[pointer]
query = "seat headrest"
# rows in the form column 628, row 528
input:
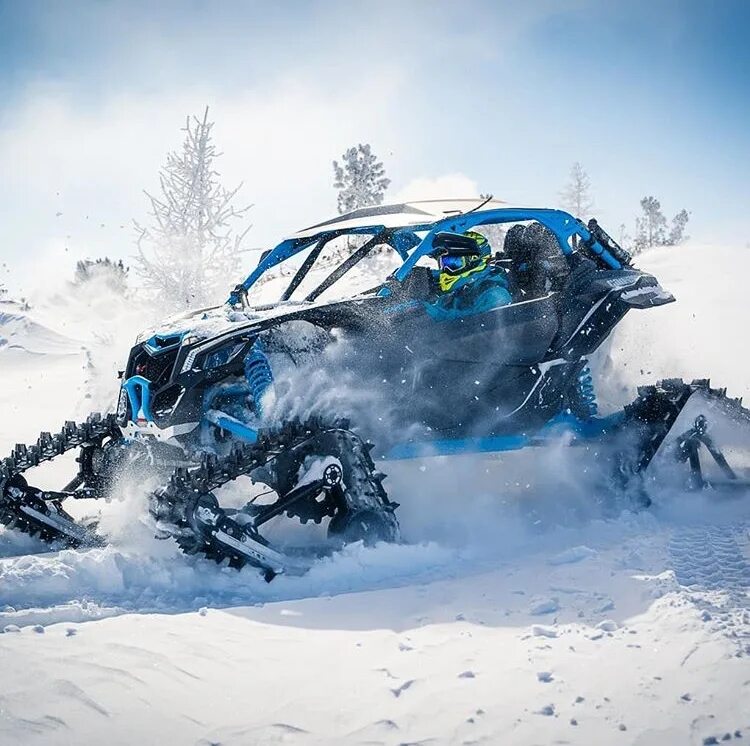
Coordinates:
column 530, row 240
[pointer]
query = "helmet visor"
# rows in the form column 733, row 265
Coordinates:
column 452, row 262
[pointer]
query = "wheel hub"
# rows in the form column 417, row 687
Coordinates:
column 332, row 475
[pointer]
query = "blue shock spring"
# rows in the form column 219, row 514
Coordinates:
column 258, row 375
column 586, row 393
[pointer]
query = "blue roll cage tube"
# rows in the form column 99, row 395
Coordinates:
column 411, row 248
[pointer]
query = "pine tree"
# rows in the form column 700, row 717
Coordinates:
column 189, row 255
column 360, row 179
column 677, row 231
column 624, row 239
column 651, row 226
column 575, row 196
column 114, row 275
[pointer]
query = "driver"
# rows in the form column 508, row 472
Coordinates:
column 467, row 282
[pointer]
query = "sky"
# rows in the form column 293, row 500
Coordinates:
column 456, row 98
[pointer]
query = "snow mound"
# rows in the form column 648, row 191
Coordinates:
column 569, row 556
column 115, row 580
column 700, row 336
column 18, row 332
column 14, row 543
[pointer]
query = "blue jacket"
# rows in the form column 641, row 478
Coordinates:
column 476, row 293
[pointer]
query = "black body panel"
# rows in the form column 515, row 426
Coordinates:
column 508, row 370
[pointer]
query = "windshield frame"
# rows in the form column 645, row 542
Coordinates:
column 401, row 240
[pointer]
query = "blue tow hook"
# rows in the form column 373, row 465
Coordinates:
column 139, row 394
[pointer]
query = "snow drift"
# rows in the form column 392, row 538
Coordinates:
column 18, row 333
column 492, row 625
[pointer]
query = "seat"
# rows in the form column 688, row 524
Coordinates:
column 537, row 264
column 419, row 284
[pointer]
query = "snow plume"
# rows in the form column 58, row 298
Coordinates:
column 16, row 544
column 497, row 504
column 325, row 385
column 116, row 580
column 476, row 503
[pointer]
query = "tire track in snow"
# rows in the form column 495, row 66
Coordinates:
column 712, row 564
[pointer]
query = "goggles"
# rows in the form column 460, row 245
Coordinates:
column 455, row 263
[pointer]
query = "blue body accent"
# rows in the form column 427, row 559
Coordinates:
column 287, row 249
column 237, row 428
column 139, row 394
column 405, row 306
column 457, row 446
column 583, row 430
column 236, row 390
column 163, row 342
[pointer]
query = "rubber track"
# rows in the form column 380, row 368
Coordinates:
column 48, row 447
column 171, row 505
column 658, row 406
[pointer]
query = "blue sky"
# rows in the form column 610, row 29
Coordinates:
column 652, row 97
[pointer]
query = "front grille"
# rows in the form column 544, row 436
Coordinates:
column 157, row 369
column 164, row 402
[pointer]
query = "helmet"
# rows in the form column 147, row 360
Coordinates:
column 459, row 255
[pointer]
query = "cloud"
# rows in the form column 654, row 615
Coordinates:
column 447, row 186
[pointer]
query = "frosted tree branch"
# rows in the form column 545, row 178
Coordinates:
column 188, row 255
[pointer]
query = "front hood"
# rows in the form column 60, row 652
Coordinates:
column 209, row 323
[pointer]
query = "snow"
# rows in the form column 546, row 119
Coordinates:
column 19, row 334
column 496, row 625
column 574, row 554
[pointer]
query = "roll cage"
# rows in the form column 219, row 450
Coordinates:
column 411, row 247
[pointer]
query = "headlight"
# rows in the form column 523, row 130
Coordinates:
column 221, row 356
column 122, row 407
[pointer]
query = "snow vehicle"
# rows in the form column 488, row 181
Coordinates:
column 199, row 397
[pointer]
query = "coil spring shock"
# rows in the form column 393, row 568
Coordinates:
column 258, row 375
column 586, row 395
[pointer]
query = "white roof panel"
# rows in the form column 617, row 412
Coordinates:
column 401, row 215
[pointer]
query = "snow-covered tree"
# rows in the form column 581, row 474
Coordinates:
column 624, row 238
column 360, row 179
column 112, row 274
column 677, row 231
column 651, row 226
column 188, row 256
column 575, row 196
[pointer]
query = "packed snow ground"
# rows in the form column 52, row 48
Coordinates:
column 490, row 625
